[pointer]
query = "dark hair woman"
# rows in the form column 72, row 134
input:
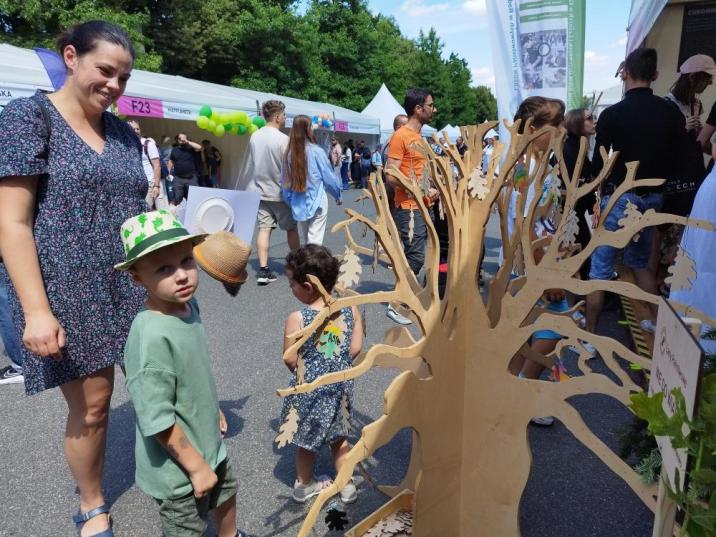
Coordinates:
column 306, row 177
column 580, row 123
column 70, row 174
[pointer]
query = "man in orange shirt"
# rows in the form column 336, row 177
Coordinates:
column 420, row 107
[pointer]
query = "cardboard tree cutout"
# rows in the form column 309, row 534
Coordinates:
column 471, row 459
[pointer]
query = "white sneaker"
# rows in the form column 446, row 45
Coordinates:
column 580, row 319
column 647, row 325
column 396, row 317
column 349, row 493
column 591, row 350
column 10, row 375
column 544, row 421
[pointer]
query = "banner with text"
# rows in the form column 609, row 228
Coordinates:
column 537, row 49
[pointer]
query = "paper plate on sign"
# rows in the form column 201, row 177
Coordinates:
column 214, row 214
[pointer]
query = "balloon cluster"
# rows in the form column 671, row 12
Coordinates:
column 322, row 121
column 229, row 123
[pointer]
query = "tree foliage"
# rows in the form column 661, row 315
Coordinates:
column 325, row 50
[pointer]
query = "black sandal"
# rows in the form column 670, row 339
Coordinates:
column 81, row 519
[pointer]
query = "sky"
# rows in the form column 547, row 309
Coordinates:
column 462, row 26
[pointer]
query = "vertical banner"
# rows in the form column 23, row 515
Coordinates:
column 537, row 49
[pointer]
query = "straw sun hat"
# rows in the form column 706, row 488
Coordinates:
column 224, row 257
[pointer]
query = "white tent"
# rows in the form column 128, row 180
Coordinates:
column 452, row 132
column 158, row 100
column 384, row 107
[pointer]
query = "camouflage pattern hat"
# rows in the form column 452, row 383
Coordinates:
column 148, row 232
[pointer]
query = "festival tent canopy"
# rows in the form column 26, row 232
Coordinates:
column 451, row 131
column 156, row 95
column 385, row 107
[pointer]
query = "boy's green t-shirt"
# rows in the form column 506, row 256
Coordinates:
column 170, row 381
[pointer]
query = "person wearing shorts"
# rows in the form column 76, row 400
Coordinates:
column 263, row 170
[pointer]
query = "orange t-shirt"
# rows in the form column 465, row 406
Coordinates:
column 412, row 163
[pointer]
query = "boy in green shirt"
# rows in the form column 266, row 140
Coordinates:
column 180, row 457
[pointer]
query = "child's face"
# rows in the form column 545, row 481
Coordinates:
column 169, row 275
column 302, row 291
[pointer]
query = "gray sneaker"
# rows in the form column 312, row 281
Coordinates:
column 396, row 317
column 544, row 421
column 301, row 493
column 10, row 375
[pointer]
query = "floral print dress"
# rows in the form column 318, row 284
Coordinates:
column 82, row 199
column 323, row 414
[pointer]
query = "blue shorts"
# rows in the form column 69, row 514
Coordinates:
column 636, row 253
column 557, row 307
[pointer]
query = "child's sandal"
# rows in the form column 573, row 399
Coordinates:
column 81, row 519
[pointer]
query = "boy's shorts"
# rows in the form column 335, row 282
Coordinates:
column 556, row 307
column 275, row 213
column 189, row 516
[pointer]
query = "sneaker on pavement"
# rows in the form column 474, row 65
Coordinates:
column 265, row 276
column 544, row 421
column 301, row 493
column 591, row 350
column 349, row 493
column 10, row 375
column 396, row 317
column 647, row 325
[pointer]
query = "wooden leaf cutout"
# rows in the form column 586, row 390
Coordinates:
column 631, row 217
column 351, row 269
column 332, row 338
column 682, row 271
column 570, row 230
column 411, row 227
column 288, row 428
column 300, row 371
column 477, row 184
column 346, row 414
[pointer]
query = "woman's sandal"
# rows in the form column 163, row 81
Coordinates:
column 81, row 519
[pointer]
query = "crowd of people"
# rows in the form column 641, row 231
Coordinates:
column 99, row 273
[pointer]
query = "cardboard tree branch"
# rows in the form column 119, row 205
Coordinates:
column 470, row 459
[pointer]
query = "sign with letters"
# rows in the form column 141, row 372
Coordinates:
column 676, row 363
column 139, row 106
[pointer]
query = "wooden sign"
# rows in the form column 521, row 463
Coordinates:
column 676, row 363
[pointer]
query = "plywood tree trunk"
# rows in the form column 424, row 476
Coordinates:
column 471, row 458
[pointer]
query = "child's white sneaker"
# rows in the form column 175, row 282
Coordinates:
column 301, row 493
column 349, row 493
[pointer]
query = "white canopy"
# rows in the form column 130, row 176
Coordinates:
column 452, row 132
column 171, row 97
column 385, row 107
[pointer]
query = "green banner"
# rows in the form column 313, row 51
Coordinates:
column 575, row 54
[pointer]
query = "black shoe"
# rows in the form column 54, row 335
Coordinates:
column 265, row 276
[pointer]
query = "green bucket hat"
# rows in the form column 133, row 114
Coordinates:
column 150, row 231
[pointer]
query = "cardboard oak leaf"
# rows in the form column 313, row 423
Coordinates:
column 350, row 271
column 346, row 414
column 631, row 217
column 682, row 271
column 300, row 370
column 288, row 428
column 478, row 184
column 570, row 230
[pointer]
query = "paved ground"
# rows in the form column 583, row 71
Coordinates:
column 570, row 491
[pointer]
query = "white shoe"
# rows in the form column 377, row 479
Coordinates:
column 591, row 350
column 544, row 421
column 349, row 493
column 647, row 325
column 10, row 375
column 396, row 317
column 580, row 319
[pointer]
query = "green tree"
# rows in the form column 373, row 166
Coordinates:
column 486, row 105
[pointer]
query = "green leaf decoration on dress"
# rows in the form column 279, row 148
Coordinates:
column 332, row 337
column 157, row 223
column 142, row 219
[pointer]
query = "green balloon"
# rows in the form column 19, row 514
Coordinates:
column 202, row 122
column 210, row 125
column 241, row 129
column 258, row 121
column 205, row 111
column 242, row 118
column 252, row 128
column 228, row 127
column 219, row 130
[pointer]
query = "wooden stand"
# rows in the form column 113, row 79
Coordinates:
column 469, row 414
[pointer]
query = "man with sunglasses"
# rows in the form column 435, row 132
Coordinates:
column 406, row 157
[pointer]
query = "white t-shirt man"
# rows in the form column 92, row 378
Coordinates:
column 149, row 153
column 262, row 167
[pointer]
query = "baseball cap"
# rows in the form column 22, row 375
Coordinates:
column 698, row 63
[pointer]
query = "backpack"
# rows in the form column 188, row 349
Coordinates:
column 164, row 171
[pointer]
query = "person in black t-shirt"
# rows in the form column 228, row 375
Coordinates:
column 182, row 165
column 644, row 128
column 707, row 132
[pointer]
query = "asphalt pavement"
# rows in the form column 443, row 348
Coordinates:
column 570, row 492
